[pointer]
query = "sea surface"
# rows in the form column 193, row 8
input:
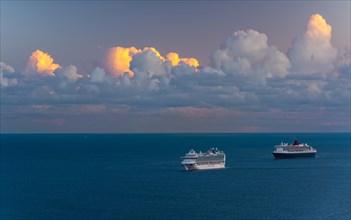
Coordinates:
column 139, row 176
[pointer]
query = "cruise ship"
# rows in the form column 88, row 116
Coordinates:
column 212, row 159
column 295, row 150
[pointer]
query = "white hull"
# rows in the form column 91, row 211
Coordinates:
column 190, row 167
column 212, row 159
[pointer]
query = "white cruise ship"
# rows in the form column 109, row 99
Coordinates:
column 295, row 150
column 212, row 159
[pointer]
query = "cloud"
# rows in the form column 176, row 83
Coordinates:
column 7, row 68
column 118, row 60
column 343, row 64
column 42, row 63
column 313, row 51
column 246, row 78
column 6, row 81
column 175, row 60
column 148, row 61
column 98, row 75
column 247, row 53
column 189, row 111
column 317, row 28
column 94, row 109
column 69, row 73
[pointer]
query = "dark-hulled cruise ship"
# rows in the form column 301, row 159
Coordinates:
column 295, row 150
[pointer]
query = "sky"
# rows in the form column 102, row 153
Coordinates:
column 175, row 66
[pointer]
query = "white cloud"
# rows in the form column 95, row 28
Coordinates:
column 247, row 53
column 245, row 75
column 69, row 73
column 5, row 67
column 313, row 51
column 98, row 75
column 4, row 80
column 275, row 64
column 148, row 62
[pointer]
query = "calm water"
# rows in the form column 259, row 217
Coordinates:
column 138, row 176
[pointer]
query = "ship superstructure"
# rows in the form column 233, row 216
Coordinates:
column 295, row 150
column 212, row 159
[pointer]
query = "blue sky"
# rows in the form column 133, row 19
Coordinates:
column 197, row 66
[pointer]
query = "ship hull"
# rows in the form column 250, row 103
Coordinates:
column 294, row 155
column 193, row 167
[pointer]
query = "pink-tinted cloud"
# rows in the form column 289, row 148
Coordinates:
column 118, row 59
column 42, row 63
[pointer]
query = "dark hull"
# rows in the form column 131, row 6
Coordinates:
column 292, row 155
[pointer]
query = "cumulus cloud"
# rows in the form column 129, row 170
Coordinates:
column 245, row 75
column 175, row 60
column 148, row 62
column 183, row 69
column 248, row 53
column 313, row 51
column 118, row 60
column 98, row 75
column 5, row 67
column 6, row 81
column 42, row 63
column 69, row 73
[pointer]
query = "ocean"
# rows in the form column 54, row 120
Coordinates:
column 139, row 176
